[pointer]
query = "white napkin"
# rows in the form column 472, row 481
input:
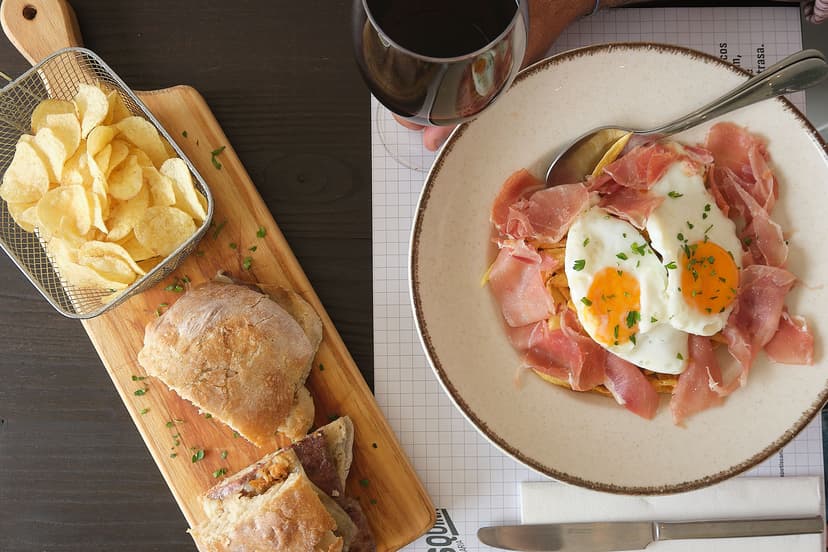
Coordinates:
column 742, row 497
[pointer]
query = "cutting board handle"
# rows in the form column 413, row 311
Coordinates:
column 38, row 28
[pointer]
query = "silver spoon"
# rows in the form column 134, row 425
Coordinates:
column 794, row 73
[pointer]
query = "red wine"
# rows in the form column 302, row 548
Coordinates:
column 442, row 28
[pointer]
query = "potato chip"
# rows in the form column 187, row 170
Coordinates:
column 109, row 249
column 27, row 178
column 102, row 159
column 65, row 212
column 96, row 208
column 92, row 107
column 125, row 214
column 127, row 180
column 143, row 135
column 135, row 250
column 54, row 150
column 67, row 129
column 50, row 107
column 117, row 108
column 99, row 138
column 185, row 192
column 163, row 229
column 120, row 151
column 161, row 187
column 149, row 264
column 143, row 158
column 76, row 169
column 24, row 214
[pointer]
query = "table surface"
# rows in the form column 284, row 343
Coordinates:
column 281, row 80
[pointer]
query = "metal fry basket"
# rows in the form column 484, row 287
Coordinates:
column 58, row 77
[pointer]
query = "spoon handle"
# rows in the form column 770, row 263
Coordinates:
column 794, row 73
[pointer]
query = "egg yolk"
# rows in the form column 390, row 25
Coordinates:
column 613, row 306
column 709, row 277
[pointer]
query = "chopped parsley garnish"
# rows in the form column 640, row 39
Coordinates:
column 706, row 207
column 653, row 320
column 235, row 435
column 374, row 445
column 139, row 378
column 252, row 248
column 223, row 454
column 675, row 194
column 144, row 411
column 321, row 367
column 199, row 253
column 219, row 472
column 615, row 331
column 198, row 455
column 261, row 232
column 748, row 241
column 680, row 236
column 586, row 301
column 586, row 242
column 247, row 263
column 706, row 230
column 632, row 318
column 141, row 392
column 640, row 249
column 632, row 339
column 689, row 224
column 711, row 259
column 175, row 287
column 184, row 133
column 219, row 228
column 213, row 155
column 364, row 482
column 671, row 265
column 622, row 256
column 170, row 423
column 233, row 245
column 173, row 454
column 207, row 415
column 579, row 264
column 373, row 501
column 679, row 356
column 704, row 216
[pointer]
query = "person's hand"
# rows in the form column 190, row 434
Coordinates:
column 433, row 136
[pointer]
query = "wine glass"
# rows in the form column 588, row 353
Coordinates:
column 435, row 62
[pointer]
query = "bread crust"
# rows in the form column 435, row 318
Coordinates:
column 238, row 355
column 289, row 516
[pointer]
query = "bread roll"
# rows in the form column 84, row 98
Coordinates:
column 239, row 356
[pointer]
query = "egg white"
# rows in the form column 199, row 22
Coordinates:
column 597, row 239
column 683, row 212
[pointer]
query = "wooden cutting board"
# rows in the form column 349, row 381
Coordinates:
column 395, row 503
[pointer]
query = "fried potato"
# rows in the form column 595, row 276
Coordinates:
column 24, row 214
column 50, row 107
column 27, row 178
column 161, row 187
column 126, row 214
column 183, row 187
column 163, row 229
column 127, row 180
column 143, row 135
column 99, row 138
column 117, row 108
column 65, row 212
column 92, row 107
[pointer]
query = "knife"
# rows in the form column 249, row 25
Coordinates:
column 635, row 535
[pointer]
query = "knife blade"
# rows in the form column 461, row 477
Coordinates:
column 635, row 535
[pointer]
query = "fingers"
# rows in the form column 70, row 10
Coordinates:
column 433, row 137
column 406, row 124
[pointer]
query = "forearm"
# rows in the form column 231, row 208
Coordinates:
column 548, row 19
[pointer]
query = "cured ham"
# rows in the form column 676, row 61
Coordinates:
column 517, row 186
column 755, row 318
column 642, row 167
column 694, row 391
column 630, row 388
column 631, row 205
column 793, row 342
column 547, row 214
column 516, row 282
column 745, row 155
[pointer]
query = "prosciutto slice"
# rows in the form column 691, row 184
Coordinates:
column 547, row 215
column 643, row 166
column 567, row 354
column 516, row 282
column 694, row 391
column 632, row 205
column 793, row 342
column 755, row 319
column 516, row 187
column 630, row 387
column 745, row 154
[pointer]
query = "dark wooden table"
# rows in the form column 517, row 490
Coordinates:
column 279, row 76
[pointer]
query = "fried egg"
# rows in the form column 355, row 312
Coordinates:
column 699, row 249
column 618, row 286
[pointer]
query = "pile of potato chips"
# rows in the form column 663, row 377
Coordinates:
column 105, row 191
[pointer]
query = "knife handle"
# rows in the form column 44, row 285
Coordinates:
column 669, row 530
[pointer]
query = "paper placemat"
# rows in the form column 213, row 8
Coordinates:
column 471, row 482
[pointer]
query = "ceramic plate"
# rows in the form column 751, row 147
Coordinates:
column 584, row 438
